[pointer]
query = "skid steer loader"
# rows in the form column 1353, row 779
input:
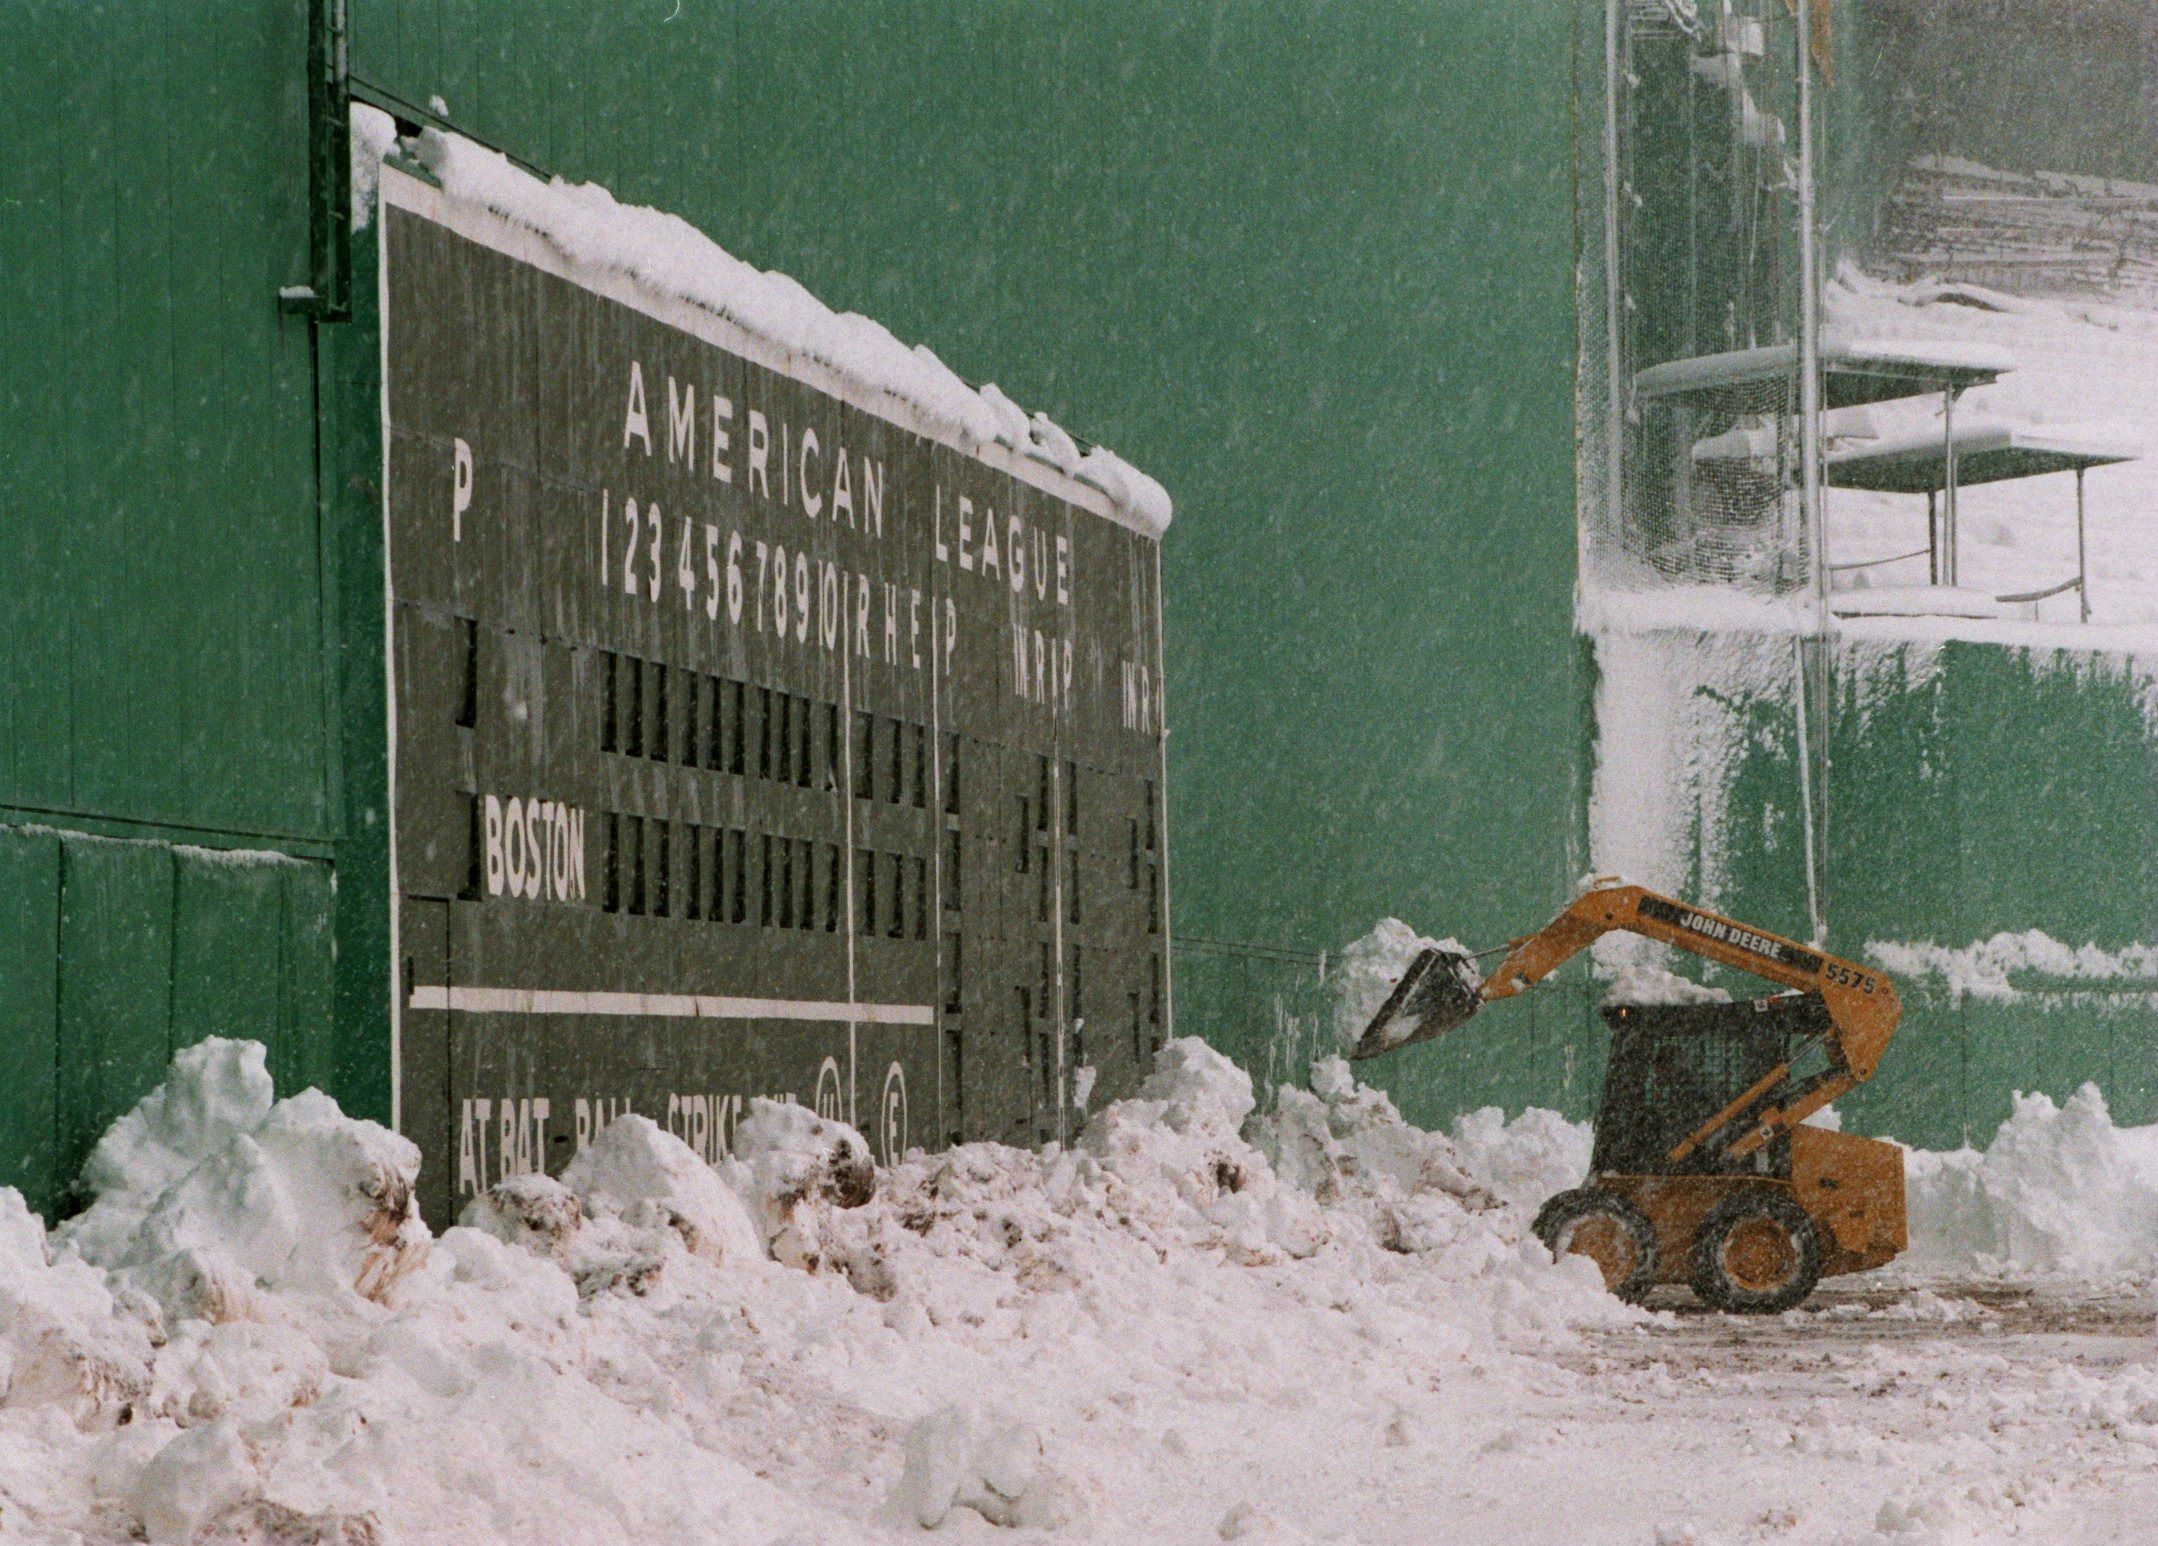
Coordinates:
column 1702, row 1171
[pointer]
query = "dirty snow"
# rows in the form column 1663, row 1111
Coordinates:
column 251, row 1325
column 1199, row 1322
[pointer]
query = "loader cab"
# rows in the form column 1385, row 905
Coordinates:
column 1673, row 1066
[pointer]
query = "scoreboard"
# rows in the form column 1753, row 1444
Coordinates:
column 752, row 733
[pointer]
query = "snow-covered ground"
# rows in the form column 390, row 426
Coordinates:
column 1201, row 1322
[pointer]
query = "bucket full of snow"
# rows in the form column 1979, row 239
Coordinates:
column 1437, row 994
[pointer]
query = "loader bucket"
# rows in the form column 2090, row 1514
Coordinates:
column 1435, row 995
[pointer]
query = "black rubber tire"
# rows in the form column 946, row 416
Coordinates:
column 1561, row 1213
column 1714, row 1284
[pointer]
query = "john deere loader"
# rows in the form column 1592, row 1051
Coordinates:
column 1703, row 1170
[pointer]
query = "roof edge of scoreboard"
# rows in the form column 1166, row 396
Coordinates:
column 665, row 267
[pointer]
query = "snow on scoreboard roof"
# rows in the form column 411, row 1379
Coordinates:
column 1855, row 371
column 665, row 254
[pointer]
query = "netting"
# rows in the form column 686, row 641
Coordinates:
column 1694, row 483
column 1711, row 491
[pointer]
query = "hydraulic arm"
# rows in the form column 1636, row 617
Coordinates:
column 1859, row 1007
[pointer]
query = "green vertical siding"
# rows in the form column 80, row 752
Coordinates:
column 166, row 689
column 116, row 932
column 29, row 1013
column 161, row 652
column 116, row 953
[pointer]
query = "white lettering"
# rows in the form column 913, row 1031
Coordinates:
column 513, row 845
column 535, row 853
column 873, row 494
column 842, row 487
column 722, row 409
column 636, row 425
column 492, row 821
column 533, row 848
column 682, row 424
column 460, row 489
column 812, row 507
column 760, row 454
column 472, row 1145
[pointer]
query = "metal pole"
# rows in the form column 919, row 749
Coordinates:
column 1933, row 546
column 1809, row 329
column 1614, row 288
column 2083, row 574
column 1948, row 498
column 1812, row 786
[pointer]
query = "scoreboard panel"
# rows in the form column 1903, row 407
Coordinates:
column 750, row 735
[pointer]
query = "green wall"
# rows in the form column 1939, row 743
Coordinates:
column 169, row 778
column 1310, row 264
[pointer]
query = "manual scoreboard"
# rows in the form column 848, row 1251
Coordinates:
column 749, row 734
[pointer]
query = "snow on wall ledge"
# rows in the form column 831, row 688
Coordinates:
column 1982, row 970
column 667, row 255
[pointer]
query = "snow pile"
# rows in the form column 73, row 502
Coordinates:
column 66, row 1343
column 1368, row 969
column 632, row 1201
column 980, row 1458
column 208, row 1194
column 251, row 1337
column 1527, row 1161
column 2060, row 1192
column 667, row 255
column 1982, row 970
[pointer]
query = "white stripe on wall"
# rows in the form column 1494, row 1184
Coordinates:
column 677, row 1006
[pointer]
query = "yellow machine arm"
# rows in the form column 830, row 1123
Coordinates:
column 1862, row 1005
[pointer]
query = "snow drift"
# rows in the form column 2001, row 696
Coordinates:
column 2059, row 1192
column 251, row 1335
